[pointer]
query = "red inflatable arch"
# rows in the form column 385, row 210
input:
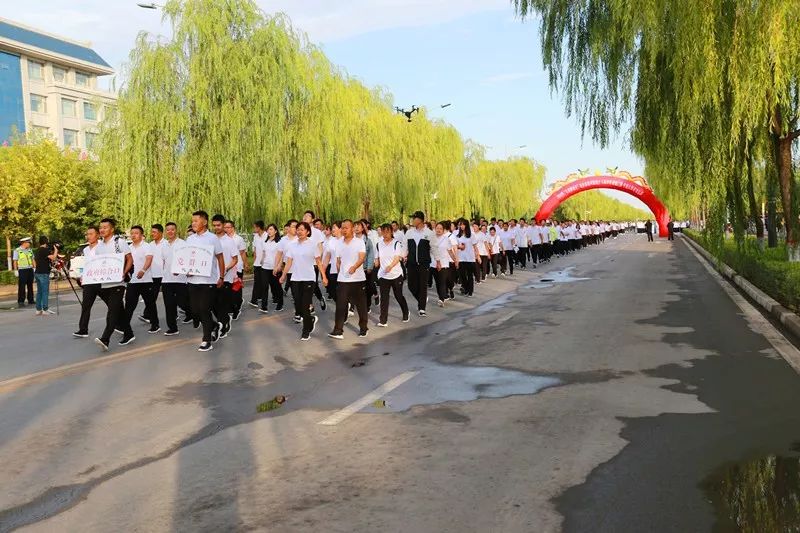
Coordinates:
column 636, row 187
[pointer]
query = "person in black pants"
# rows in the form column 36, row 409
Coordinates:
column 390, row 274
column 23, row 266
column 141, row 283
column 90, row 292
column 648, row 228
column 467, row 255
column 351, row 252
column 418, row 245
column 113, row 293
column 269, row 278
column 259, row 230
column 301, row 257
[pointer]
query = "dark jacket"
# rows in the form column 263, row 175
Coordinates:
column 418, row 255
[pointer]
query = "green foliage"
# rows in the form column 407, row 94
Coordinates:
column 46, row 190
column 594, row 205
column 708, row 88
column 7, row 277
column 768, row 269
column 238, row 113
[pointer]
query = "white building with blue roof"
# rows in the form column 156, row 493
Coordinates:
column 48, row 85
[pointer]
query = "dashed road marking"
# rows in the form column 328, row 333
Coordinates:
column 369, row 398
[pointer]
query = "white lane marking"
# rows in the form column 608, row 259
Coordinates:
column 369, row 398
column 786, row 349
column 504, row 318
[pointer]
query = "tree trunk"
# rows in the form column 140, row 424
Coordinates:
column 8, row 252
column 739, row 214
column 365, row 209
column 751, row 196
column 783, row 162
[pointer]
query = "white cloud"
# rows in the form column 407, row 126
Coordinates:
column 507, row 77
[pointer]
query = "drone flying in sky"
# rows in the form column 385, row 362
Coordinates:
column 414, row 109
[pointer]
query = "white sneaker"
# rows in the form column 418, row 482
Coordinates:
column 381, row 324
column 49, row 312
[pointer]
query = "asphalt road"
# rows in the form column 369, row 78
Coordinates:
column 599, row 401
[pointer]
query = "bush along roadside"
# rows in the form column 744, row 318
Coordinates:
column 766, row 269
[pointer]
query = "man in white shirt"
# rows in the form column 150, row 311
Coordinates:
column 90, row 292
column 174, row 285
column 157, row 246
column 317, row 237
column 202, row 289
column 241, row 264
column 259, row 236
column 507, row 242
column 141, row 283
column 351, row 252
column 224, row 297
column 113, row 294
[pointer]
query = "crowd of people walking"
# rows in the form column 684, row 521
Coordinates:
column 348, row 262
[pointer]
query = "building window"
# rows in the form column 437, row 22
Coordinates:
column 38, row 104
column 70, row 138
column 59, row 74
column 35, row 70
column 68, row 107
column 91, row 139
column 81, row 79
column 41, row 132
column 89, row 111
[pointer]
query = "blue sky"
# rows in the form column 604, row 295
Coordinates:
column 474, row 54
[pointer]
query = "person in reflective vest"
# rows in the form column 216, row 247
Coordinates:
column 23, row 269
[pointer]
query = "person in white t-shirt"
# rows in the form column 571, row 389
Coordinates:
column 241, row 264
column 157, row 267
column 203, row 289
column 329, row 258
column 390, row 274
column 301, row 258
column 113, row 294
column 268, row 260
column 259, row 235
column 318, row 237
column 288, row 238
column 90, row 292
column 173, row 286
column 483, row 254
column 351, row 253
column 495, row 249
column 141, row 283
column 507, row 240
column 224, row 297
column 441, row 259
column 467, row 257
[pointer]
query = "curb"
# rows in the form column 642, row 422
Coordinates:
column 783, row 315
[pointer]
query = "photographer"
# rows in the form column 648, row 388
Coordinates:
column 41, row 268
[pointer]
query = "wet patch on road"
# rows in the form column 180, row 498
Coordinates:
column 551, row 278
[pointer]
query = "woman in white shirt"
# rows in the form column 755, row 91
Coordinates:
column 440, row 263
column 390, row 274
column 494, row 246
column 267, row 261
column 467, row 257
column 301, row 258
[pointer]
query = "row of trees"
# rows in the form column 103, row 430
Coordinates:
column 711, row 90
column 46, row 190
column 238, row 113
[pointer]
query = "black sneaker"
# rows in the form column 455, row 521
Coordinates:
column 363, row 333
column 204, row 347
column 171, row 332
column 236, row 314
column 126, row 340
column 224, row 331
column 406, row 318
column 143, row 319
column 265, row 311
column 323, row 305
column 333, row 335
column 102, row 344
column 314, row 324
column 154, row 329
column 253, row 304
column 215, row 333
column 187, row 320
column 297, row 318
column 279, row 308
column 80, row 334
column 422, row 312
column 305, row 337
column 195, row 324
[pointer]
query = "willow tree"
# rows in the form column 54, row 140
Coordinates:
column 701, row 86
column 238, row 113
